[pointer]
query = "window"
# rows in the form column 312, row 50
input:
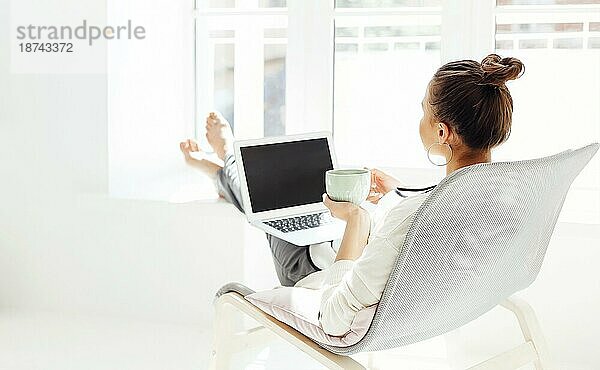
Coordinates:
column 384, row 58
column 359, row 68
column 241, row 53
column 557, row 102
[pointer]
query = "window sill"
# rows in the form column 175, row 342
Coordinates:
column 168, row 180
column 175, row 182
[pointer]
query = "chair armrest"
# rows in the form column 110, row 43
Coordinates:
column 234, row 287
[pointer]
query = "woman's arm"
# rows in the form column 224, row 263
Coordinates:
column 355, row 236
column 351, row 284
column 358, row 225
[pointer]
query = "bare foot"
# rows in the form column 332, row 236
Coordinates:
column 208, row 167
column 219, row 134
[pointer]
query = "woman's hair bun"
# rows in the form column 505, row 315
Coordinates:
column 498, row 70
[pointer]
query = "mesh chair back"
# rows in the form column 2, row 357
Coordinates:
column 480, row 236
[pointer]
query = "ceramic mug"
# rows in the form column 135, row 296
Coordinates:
column 348, row 185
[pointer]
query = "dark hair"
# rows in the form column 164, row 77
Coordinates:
column 472, row 98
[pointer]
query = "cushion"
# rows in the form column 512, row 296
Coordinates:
column 299, row 308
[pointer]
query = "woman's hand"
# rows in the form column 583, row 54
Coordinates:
column 381, row 184
column 188, row 147
column 342, row 210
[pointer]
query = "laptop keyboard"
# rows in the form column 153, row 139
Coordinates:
column 304, row 222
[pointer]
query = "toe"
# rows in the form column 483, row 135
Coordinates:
column 209, row 121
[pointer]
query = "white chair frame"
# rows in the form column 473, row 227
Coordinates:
column 227, row 340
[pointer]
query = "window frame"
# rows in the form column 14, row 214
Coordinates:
column 310, row 75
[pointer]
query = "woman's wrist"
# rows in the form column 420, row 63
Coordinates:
column 359, row 215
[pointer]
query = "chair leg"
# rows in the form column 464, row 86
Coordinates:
column 227, row 341
column 532, row 331
column 371, row 361
column 221, row 351
column 533, row 350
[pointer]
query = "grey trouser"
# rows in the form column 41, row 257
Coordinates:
column 292, row 262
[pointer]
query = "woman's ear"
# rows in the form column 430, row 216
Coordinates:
column 443, row 133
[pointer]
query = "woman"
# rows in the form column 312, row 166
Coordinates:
column 467, row 111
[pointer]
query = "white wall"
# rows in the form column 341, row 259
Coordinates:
column 66, row 245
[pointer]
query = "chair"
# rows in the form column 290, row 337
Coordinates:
column 479, row 237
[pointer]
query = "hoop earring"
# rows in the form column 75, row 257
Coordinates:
column 429, row 154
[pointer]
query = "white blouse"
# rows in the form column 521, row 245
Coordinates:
column 349, row 286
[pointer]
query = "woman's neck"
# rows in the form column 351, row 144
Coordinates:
column 460, row 160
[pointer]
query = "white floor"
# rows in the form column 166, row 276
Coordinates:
column 58, row 341
column 51, row 341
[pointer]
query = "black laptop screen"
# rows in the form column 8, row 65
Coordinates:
column 286, row 174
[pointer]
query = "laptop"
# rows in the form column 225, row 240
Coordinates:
column 282, row 181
